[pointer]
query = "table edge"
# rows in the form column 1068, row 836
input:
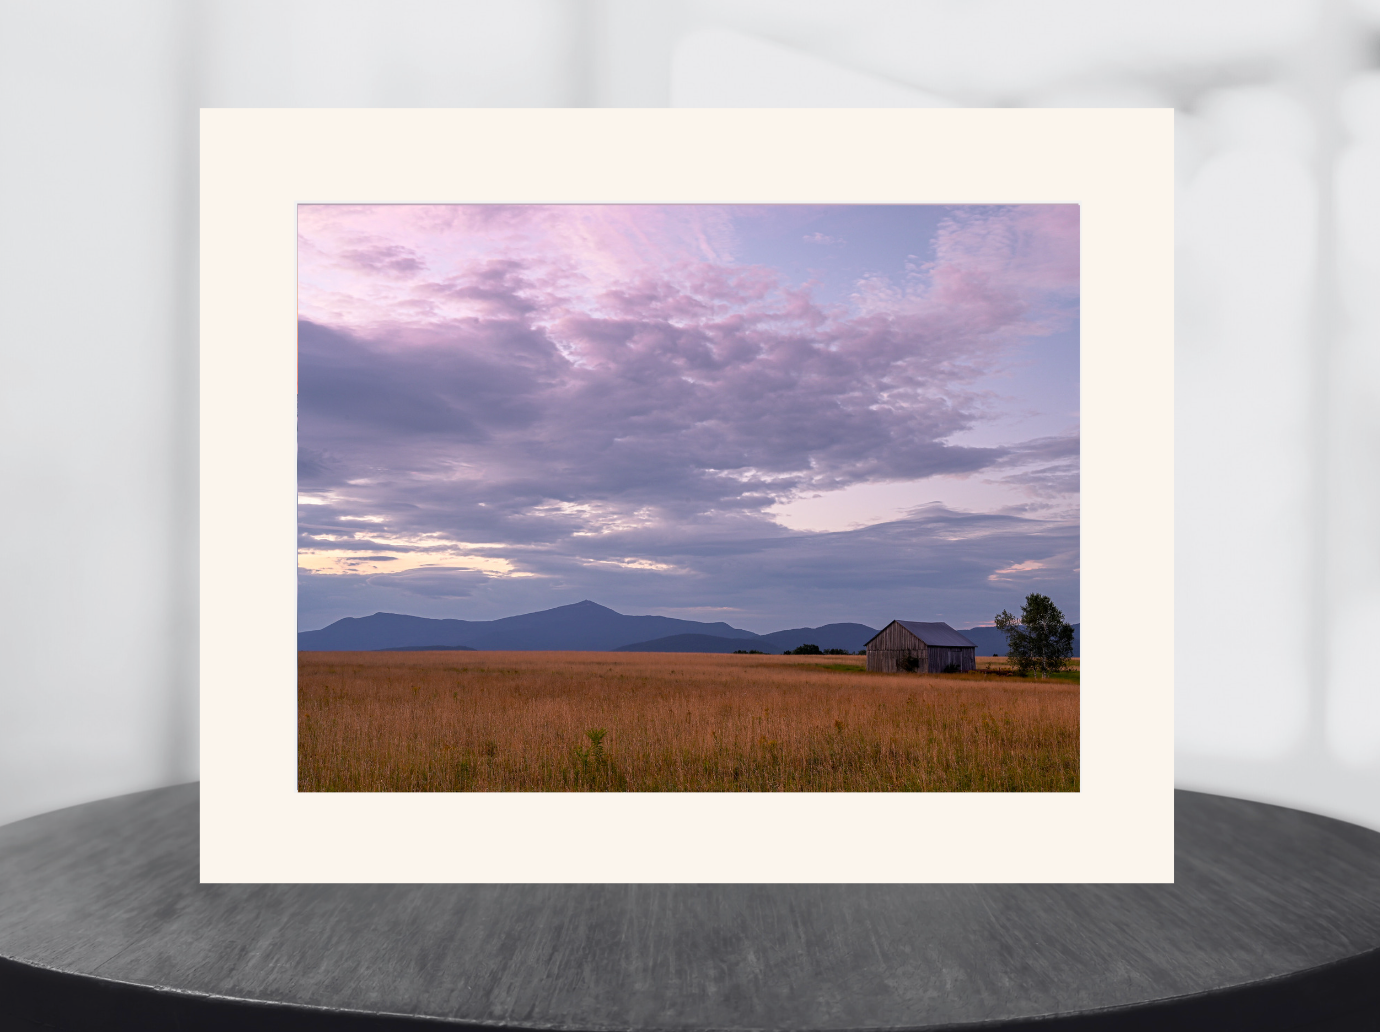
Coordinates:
column 49, row 997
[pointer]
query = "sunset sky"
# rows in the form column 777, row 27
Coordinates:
column 775, row 416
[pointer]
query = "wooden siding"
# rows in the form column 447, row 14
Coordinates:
column 942, row 656
column 894, row 644
column 894, row 636
column 888, row 661
column 891, row 646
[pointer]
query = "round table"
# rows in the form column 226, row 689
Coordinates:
column 1273, row 922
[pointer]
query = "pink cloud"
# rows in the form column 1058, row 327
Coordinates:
column 616, row 352
column 589, row 385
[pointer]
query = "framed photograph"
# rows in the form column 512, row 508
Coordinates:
column 686, row 495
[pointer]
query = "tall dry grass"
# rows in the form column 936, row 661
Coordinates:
column 610, row 721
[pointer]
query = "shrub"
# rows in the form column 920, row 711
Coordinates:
column 952, row 668
column 837, row 652
column 910, row 664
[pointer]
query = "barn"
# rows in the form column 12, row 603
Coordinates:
column 933, row 645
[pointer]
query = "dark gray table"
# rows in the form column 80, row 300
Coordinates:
column 1273, row 923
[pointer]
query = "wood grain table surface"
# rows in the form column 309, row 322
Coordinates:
column 1273, row 922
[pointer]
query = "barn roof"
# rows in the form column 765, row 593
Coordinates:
column 938, row 634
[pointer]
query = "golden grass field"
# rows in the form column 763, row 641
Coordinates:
column 673, row 722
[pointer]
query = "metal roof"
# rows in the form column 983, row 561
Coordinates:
column 938, row 634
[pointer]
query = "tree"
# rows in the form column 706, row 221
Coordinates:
column 1040, row 641
column 804, row 650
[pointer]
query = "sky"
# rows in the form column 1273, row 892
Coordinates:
column 776, row 416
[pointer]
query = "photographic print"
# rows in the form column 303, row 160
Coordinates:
column 688, row 498
column 540, row 404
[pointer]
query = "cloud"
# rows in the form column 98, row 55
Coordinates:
column 934, row 564
column 1047, row 468
column 390, row 259
column 820, row 238
column 601, row 396
column 432, row 583
column 312, row 466
column 997, row 275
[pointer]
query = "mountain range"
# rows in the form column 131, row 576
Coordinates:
column 584, row 626
column 850, row 636
column 989, row 640
column 589, row 627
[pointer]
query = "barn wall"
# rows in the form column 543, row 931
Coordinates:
column 940, row 657
column 893, row 637
column 888, row 661
column 893, row 644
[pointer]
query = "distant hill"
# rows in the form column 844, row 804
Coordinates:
column 850, row 636
column 830, row 636
column 589, row 627
column 583, row 626
column 989, row 640
column 696, row 643
column 427, row 648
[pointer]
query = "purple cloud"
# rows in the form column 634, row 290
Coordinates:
column 592, row 393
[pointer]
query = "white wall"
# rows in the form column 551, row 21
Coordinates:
column 1278, row 358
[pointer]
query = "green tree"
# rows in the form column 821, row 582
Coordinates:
column 805, row 650
column 1040, row 641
